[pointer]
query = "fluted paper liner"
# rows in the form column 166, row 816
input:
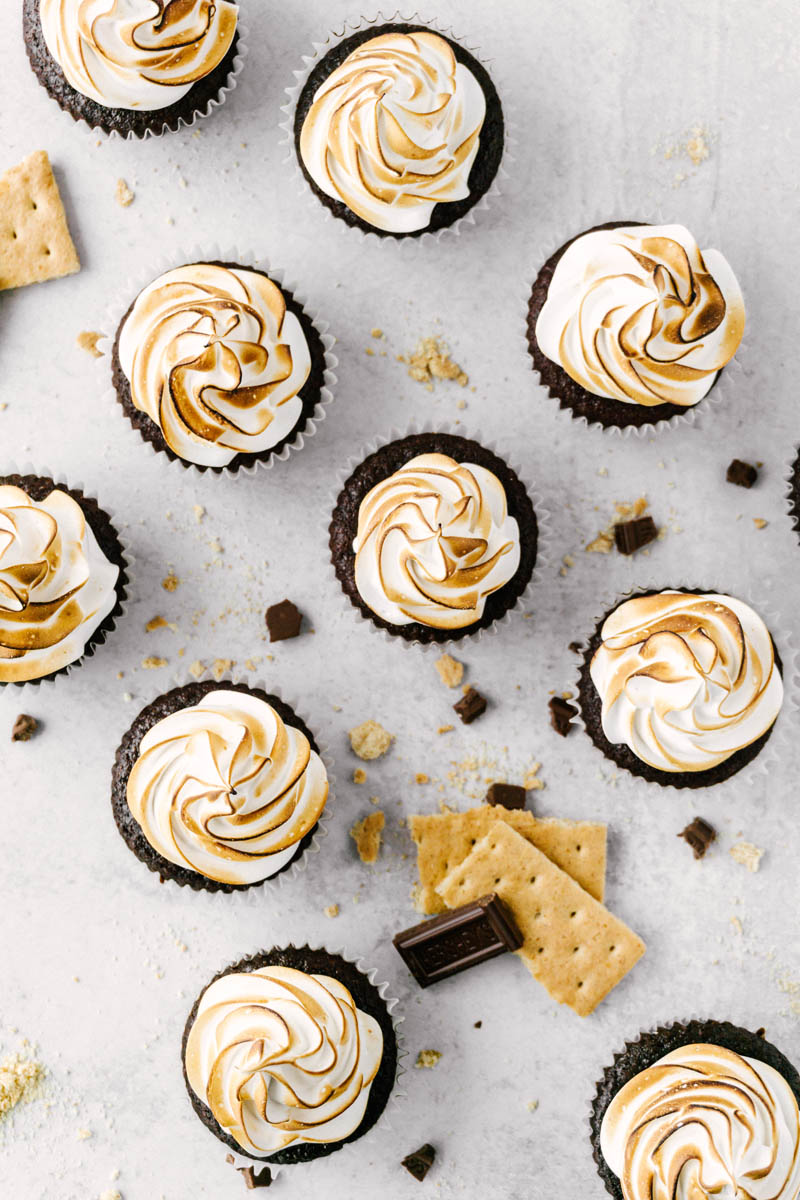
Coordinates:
column 309, row 61
column 792, row 492
column 245, row 259
column 543, row 545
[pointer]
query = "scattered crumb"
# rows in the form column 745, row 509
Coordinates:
column 431, row 360
column 155, row 623
column 199, row 512
column 111, row 1194
column 21, row 1081
column 445, row 729
column 531, row 781
column 88, row 341
column 421, row 777
column 171, row 582
column 367, row 836
column 451, row 671
column 84, row 1135
column 153, row 661
column 376, row 333
column 359, row 775
column 370, row 740
column 332, row 910
column 760, row 523
column 604, row 542
column 220, row 666
column 124, row 195
column 737, row 926
column 532, row 1105
column 196, row 669
column 748, row 855
column 696, row 147
column 427, row 1058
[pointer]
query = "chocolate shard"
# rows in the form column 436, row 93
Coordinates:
column 576, row 647
column 699, row 834
column 420, row 1162
column 283, row 621
column 507, row 795
column 471, row 706
column 255, row 1179
column 741, row 473
column 458, row 939
column 561, row 714
column 24, row 728
column 630, row 536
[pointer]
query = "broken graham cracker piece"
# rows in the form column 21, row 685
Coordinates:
column 35, row 243
column 445, row 839
column 451, row 671
column 572, row 944
column 369, row 740
column 367, row 836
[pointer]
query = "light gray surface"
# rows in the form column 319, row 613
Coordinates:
column 598, row 94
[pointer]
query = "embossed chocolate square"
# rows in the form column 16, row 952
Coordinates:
column 458, row 939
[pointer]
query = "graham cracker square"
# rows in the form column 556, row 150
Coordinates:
column 445, row 839
column 35, row 244
column 572, row 944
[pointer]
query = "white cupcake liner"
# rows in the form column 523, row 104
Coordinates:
column 385, row 1120
column 585, row 220
column 347, row 28
column 792, row 501
column 543, row 545
column 16, row 688
column 782, row 737
column 119, row 307
column 199, row 114
column 254, row 893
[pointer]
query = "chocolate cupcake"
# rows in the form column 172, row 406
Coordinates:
column 631, row 324
column 135, row 76
column 63, row 578
column 301, row 1050
column 433, row 537
column 681, row 688
column 794, row 495
column 219, row 368
column 398, row 130
column 699, row 1109
column 218, row 786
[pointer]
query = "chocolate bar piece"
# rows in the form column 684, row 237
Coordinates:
column 458, row 939
column 253, row 1179
column 630, row 536
column 699, row 834
column 507, row 795
column 24, row 728
column 283, row 621
column 420, row 1162
column 741, row 473
column 561, row 714
column 471, row 705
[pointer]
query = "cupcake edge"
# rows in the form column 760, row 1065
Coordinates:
column 208, row 93
column 650, row 1046
column 37, row 487
column 177, row 698
column 316, row 393
column 793, row 492
column 590, row 714
column 368, row 996
column 494, row 135
column 367, row 469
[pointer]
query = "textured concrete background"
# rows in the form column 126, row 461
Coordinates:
column 604, row 98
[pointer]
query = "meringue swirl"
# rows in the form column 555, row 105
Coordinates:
column 686, row 680
column 704, row 1123
column 642, row 315
column 137, row 54
column 226, row 788
column 434, row 540
column 282, row 1057
column 394, row 130
column 214, row 357
column 56, row 584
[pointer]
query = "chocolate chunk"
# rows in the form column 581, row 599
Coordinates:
column 252, row 1180
column 471, row 706
column 561, row 714
column 632, row 535
column 420, row 1162
column 575, row 647
column 283, row 621
column 477, row 1025
column 741, row 473
column 507, row 795
column 458, row 939
column 24, row 728
column 699, row 834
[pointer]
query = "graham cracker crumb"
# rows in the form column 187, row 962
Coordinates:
column 88, row 341
column 124, row 195
column 376, row 333
column 370, row 740
column 604, row 542
column 427, row 1059
column 532, row 1105
column 171, row 582
column 84, row 1135
column 331, row 911
column 421, row 777
column 737, row 926
column 199, row 512
column 196, row 669
column 359, row 775
column 111, row 1194
column 431, row 360
column 445, row 729
column 155, row 623
column 696, row 147
column 220, row 666
column 366, row 834
column 748, row 855
column 153, row 662
column 760, row 523
column 531, row 781
column 451, row 671
column 21, row 1081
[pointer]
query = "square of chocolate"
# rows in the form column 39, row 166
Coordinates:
column 561, row 714
column 741, row 473
column 630, row 536
column 283, row 621
column 458, row 939
column 507, row 795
